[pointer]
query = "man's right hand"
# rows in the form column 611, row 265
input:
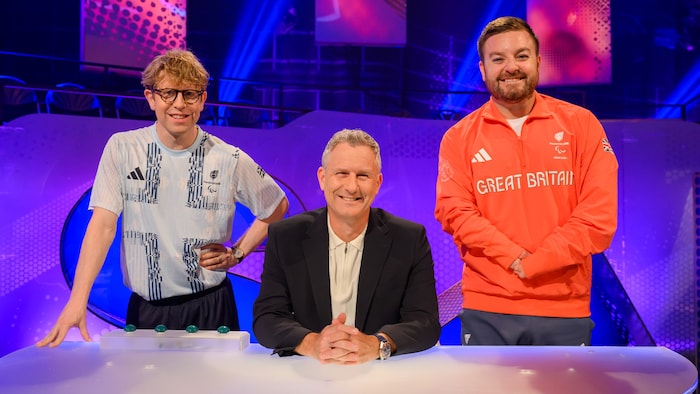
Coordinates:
column 338, row 343
column 70, row 317
column 323, row 346
column 517, row 265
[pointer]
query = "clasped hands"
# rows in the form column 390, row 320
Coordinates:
column 338, row 343
column 517, row 265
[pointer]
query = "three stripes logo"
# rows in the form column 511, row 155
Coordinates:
column 261, row 172
column 136, row 174
column 481, row 156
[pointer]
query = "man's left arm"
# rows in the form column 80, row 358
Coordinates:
column 419, row 325
column 217, row 257
column 257, row 232
column 592, row 224
column 259, row 192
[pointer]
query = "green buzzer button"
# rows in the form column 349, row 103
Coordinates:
column 192, row 329
column 223, row 330
column 161, row 328
column 130, row 328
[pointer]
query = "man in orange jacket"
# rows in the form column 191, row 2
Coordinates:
column 527, row 187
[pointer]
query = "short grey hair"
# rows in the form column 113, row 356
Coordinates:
column 353, row 137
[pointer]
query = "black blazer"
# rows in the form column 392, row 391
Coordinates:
column 396, row 290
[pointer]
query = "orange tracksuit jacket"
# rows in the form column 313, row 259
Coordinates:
column 551, row 192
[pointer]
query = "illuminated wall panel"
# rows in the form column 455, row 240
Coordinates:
column 574, row 40
column 131, row 32
column 361, row 22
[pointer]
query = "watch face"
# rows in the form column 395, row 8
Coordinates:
column 384, row 349
column 237, row 253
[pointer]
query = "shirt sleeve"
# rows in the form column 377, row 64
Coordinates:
column 593, row 222
column 106, row 189
column 456, row 209
column 255, row 188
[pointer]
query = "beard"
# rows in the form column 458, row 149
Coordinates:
column 512, row 94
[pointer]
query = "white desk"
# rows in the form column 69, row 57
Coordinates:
column 76, row 367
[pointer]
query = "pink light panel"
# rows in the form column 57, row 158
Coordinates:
column 574, row 40
column 131, row 32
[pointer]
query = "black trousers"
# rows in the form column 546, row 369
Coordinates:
column 208, row 310
column 498, row 329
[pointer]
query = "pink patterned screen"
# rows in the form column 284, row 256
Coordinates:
column 574, row 40
column 361, row 22
column 130, row 32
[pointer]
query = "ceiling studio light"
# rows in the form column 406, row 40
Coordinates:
column 258, row 21
column 466, row 76
column 686, row 92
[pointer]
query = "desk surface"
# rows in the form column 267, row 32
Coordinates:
column 77, row 367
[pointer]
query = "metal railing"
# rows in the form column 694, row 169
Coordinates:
column 272, row 99
column 216, row 113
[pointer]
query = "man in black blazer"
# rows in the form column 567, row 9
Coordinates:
column 348, row 283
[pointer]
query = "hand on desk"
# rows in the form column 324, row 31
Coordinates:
column 72, row 316
column 340, row 344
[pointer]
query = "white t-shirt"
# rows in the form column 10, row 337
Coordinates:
column 517, row 124
column 344, row 260
column 173, row 202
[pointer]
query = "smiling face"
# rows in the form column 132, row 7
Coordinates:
column 350, row 180
column 176, row 123
column 510, row 67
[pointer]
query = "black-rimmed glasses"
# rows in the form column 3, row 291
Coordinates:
column 190, row 96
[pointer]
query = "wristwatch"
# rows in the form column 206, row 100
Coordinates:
column 238, row 253
column 384, row 347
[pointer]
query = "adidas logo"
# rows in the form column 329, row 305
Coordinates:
column 481, row 156
column 136, row 174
